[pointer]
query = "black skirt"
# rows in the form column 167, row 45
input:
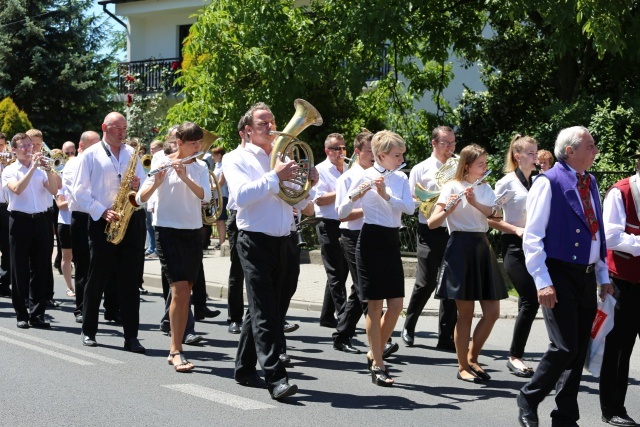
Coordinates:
column 469, row 269
column 180, row 253
column 380, row 272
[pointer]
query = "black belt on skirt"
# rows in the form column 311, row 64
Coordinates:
column 18, row 214
column 586, row 269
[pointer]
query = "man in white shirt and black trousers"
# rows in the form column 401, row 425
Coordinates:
column 102, row 166
column 565, row 251
column 29, row 186
column 264, row 223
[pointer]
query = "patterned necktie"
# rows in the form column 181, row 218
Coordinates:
column 584, row 185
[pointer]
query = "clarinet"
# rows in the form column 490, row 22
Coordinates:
column 371, row 183
column 461, row 194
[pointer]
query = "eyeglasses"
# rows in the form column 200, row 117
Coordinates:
column 25, row 146
column 338, row 148
column 447, row 143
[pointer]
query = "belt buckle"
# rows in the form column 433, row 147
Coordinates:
column 590, row 268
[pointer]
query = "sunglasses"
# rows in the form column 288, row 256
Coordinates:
column 338, row 148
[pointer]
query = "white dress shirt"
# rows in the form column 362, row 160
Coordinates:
column 343, row 204
column 35, row 198
column 68, row 178
column 538, row 210
column 328, row 175
column 425, row 173
column 255, row 187
column 64, row 216
column 615, row 220
column 224, row 188
column 175, row 204
column 98, row 178
column 515, row 210
column 227, row 158
column 465, row 217
column 381, row 212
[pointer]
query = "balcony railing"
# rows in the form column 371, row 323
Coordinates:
column 150, row 76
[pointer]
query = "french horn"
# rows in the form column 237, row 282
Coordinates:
column 429, row 198
column 211, row 210
column 288, row 146
column 146, row 162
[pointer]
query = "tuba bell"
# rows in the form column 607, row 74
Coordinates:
column 212, row 209
column 288, row 146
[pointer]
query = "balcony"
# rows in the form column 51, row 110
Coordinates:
column 149, row 76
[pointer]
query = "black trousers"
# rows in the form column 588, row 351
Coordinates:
column 190, row 327
column 52, row 215
column 513, row 259
column 235, row 297
column 614, row 374
column 199, row 291
column 264, row 261
column 292, row 273
column 354, row 308
column 118, row 265
column 431, row 246
column 29, row 247
column 569, row 327
column 335, row 293
column 5, row 258
column 80, row 251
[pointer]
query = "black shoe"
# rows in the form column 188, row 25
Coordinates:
column 446, row 345
column 380, row 377
column 284, row 358
column 134, row 346
column 37, row 322
column 113, row 318
column 79, row 318
column 22, row 324
column 51, row 303
column 202, row 313
column 329, row 323
column 252, row 380
column 192, row 339
column 527, row 415
column 143, row 291
column 283, row 390
column 165, row 327
column 619, row 420
column 89, row 341
column 234, row 328
column 519, row 372
column 480, row 374
column 474, row 379
column 389, row 349
column 290, row 327
column 407, row 337
column 346, row 347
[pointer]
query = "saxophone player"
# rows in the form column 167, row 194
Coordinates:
column 104, row 168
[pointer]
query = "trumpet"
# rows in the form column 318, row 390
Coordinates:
column 349, row 160
column 460, row 195
column 371, row 183
column 7, row 156
column 169, row 165
column 57, row 161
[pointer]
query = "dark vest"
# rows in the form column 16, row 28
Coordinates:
column 568, row 237
column 621, row 264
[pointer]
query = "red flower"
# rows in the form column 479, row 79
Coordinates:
column 175, row 65
column 129, row 78
column 155, row 130
column 129, row 99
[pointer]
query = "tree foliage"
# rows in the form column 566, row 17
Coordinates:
column 12, row 119
column 50, row 65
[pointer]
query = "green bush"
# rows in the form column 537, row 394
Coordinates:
column 12, row 119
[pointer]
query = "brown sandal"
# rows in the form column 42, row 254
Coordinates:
column 183, row 362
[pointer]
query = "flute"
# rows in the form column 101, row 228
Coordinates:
column 358, row 191
column 169, row 165
column 461, row 194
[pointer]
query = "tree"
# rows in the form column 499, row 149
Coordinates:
column 50, row 65
column 12, row 119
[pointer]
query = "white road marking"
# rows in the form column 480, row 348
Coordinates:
column 45, row 351
column 219, row 396
column 61, row 346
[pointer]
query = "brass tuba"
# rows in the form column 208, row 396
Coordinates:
column 212, row 209
column 429, row 198
column 124, row 204
column 288, row 146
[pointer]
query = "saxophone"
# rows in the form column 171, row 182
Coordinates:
column 125, row 203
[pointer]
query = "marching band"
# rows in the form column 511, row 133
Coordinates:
column 556, row 266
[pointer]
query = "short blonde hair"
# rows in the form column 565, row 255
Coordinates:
column 34, row 133
column 384, row 141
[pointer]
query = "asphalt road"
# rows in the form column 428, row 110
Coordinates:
column 50, row 379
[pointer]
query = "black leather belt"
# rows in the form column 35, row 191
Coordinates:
column 586, row 269
column 36, row 215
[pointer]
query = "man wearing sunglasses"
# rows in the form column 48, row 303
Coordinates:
column 328, row 229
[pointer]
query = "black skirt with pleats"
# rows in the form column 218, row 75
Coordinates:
column 469, row 269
